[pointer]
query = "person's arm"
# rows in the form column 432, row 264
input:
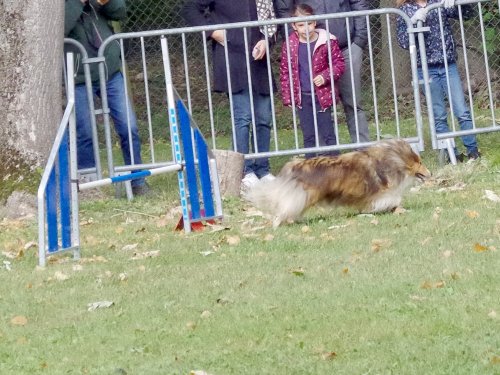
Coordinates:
column 402, row 33
column 286, row 85
column 194, row 11
column 360, row 27
column 338, row 64
column 72, row 12
column 114, row 10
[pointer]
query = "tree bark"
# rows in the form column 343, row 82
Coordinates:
column 30, row 89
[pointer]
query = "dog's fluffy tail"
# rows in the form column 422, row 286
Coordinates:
column 283, row 197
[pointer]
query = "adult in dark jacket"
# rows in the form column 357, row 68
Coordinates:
column 221, row 12
column 359, row 37
column 88, row 22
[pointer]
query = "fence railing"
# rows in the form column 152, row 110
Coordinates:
column 391, row 94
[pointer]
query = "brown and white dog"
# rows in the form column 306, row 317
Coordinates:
column 370, row 180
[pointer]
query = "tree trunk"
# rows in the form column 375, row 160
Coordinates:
column 31, row 34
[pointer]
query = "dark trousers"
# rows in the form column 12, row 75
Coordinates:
column 326, row 133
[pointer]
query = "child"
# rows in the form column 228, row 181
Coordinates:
column 436, row 65
column 319, row 41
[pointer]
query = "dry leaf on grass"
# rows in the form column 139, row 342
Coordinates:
column 495, row 360
column 19, row 320
column 99, row 305
column 492, row 314
column 60, row 276
column 147, row 254
column 130, row 247
column 399, row 211
column 328, row 356
column 478, row 248
column 488, row 194
column 432, row 285
column 379, row 244
column 233, row 240
column 297, row 271
column 472, row 214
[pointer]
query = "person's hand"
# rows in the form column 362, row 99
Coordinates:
column 259, row 50
column 448, row 3
column 319, row 80
column 420, row 15
column 218, row 36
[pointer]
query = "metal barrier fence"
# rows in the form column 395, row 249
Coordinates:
column 394, row 110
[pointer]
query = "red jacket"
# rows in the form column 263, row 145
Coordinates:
column 320, row 65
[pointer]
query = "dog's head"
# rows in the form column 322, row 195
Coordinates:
column 412, row 160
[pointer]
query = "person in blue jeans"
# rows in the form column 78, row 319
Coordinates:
column 87, row 21
column 237, row 87
column 436, row 58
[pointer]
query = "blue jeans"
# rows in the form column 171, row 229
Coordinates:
column 243, row 127
column 439, row 89
column 115, row 89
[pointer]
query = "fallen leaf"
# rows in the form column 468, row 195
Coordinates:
column 99, row 305
column 305, row 229
column 399, row 211
column 233, row 240
column 191, row 325
column 492, row 314
column 130, row 247
column 345, row 270
column 495, row 360
column 60, row 276
column 207, row 253
column 268, row 237
column 379, row 244
column 122, row 276
column 447, row 253
column 328, row 356
column 119, row 230
column 488, row 194
column 30, row 244
column 297, row 271
column 206, row 314
column 478, row 248
column 472, row 214
column 19, row 320
column 147, row 254
column 432, row 285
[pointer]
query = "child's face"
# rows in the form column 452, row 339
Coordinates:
column 304, row 29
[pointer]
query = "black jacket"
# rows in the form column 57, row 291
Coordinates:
column 358, row 29
column 213, row 12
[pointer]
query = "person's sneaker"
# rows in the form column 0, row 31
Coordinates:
column 141, row 190
column 248, row 181
column 474, row 155
column 268, row 177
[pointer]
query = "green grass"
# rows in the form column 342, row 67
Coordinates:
column 336, row 293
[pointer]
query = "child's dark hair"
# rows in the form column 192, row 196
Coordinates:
column 302, row 10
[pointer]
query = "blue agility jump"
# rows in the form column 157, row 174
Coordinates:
column 58, row 223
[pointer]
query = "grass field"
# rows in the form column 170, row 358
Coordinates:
column 338, row 293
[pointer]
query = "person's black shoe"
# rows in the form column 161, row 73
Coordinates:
column 141, row 190
column 474, row 155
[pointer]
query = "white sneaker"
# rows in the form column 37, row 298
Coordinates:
column 268, row 177
column 249, row 180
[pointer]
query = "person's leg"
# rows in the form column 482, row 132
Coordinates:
column 347, row 95
column 118, row 105
column 85, row 149
column 263, row 114
column 326, row 132
column 242, row 121
column 306, row 119
column 461, row 109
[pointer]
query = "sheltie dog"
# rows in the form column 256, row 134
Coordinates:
column 371, row 180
